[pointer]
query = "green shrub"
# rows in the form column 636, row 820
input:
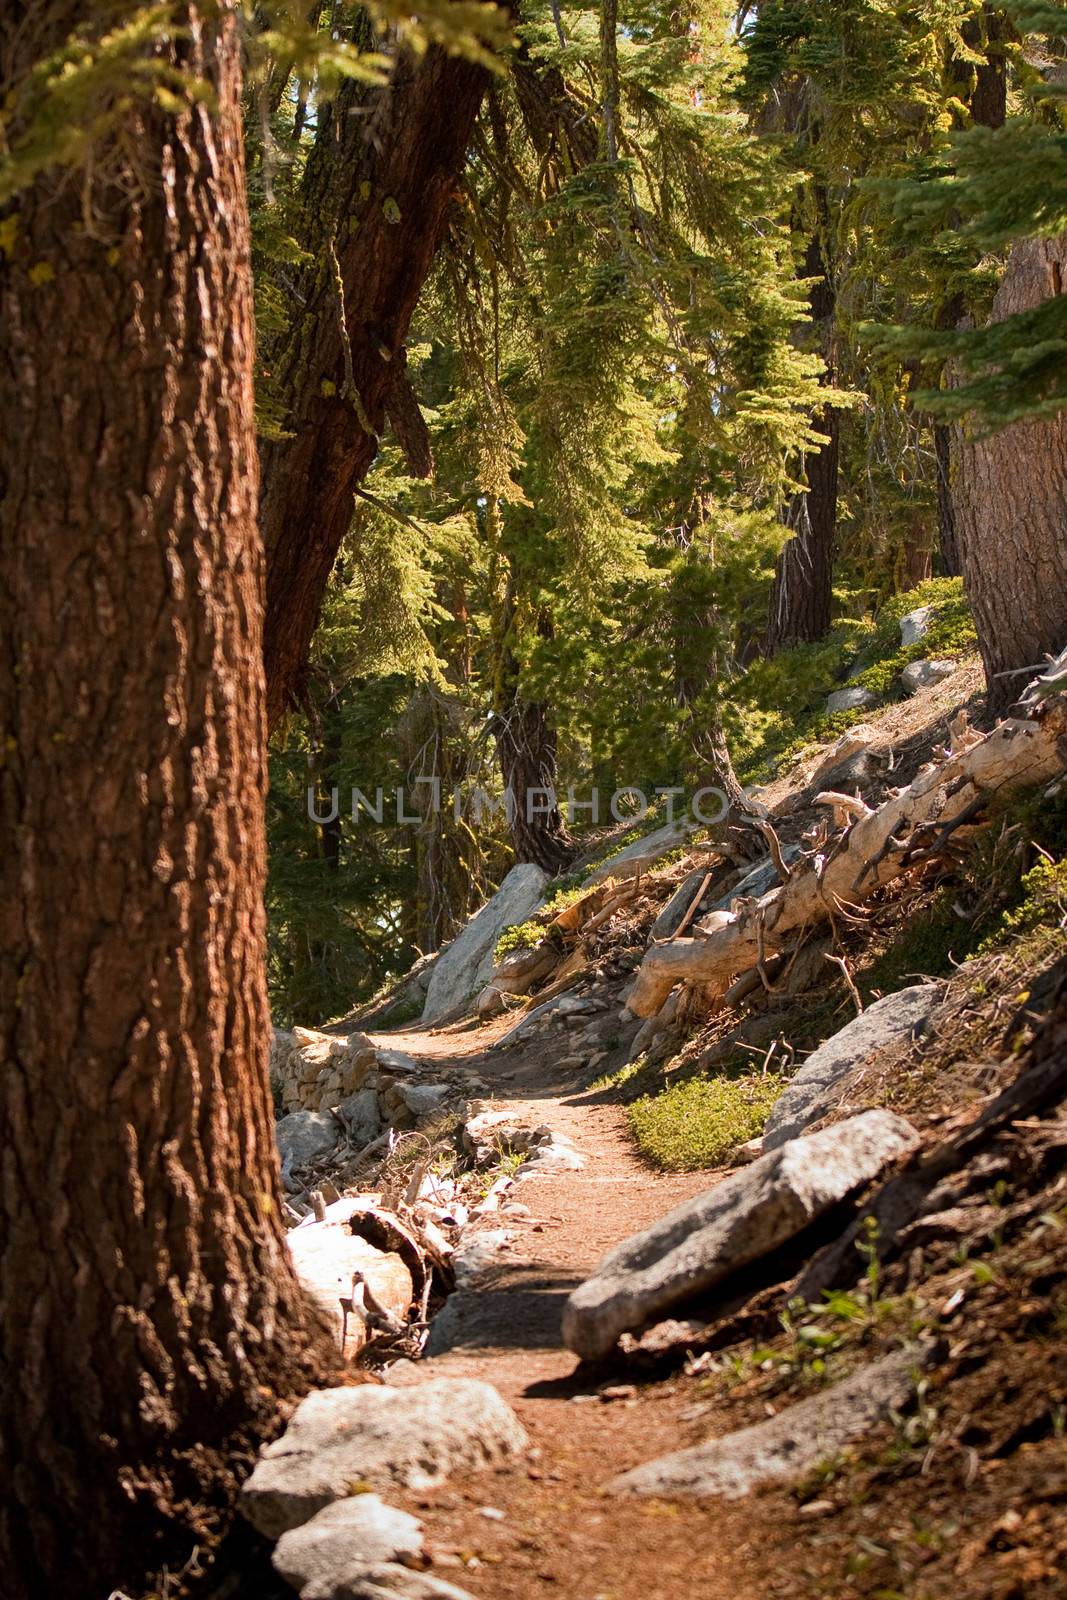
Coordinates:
column 698, row 1123
column 520, row 936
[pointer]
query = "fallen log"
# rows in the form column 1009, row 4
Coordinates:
column 875, row 849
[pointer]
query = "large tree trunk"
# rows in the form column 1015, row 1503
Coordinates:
column 150, row 1319
column 1010, row 498
column 526, row 745
column 378, row 188
column 802, row 596
column 989, row 109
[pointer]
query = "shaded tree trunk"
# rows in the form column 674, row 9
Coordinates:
column 917, row 557
column 948, row 538
column 526, row 746
column 150, row 1319
column 378, row 188
column 989, row 108
column 1010, row 498
column 802, row 596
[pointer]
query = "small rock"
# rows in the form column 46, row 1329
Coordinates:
column 915, row 625
column 377, row 1436
column 490, row 1002
column 397, row 1061
column 306, row 1136
column 576, row 1005
column 343, row 1540
column 476, row 1256
column 855, row 699
column 751, row 1150
column 785, row 1448
column 921, row 674
column 552, row 1158
column 855, row 745
column 422, row 1098
column 756, row 882
column 699, row 1244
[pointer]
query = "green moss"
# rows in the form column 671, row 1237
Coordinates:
column 699, row 1122
column 1043, row 903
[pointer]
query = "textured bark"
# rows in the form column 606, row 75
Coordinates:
column 526, row 745
column 802, row 596
column 379, row 185
column 948, row 538
column 150, row 1319
column 918, row 557
column 1010, row 498
column 989, row 108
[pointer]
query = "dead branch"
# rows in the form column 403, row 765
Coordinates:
column 1018, row 754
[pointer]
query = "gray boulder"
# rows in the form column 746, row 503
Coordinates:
column 915, row 625
column 376, row 1437
column 855, row 699
column 343, row 1540
column 748, row 1214
column 361, row 1115
column 306, row 1136
column 785, row 1448
column 820, row 1084
column 467, row 965
column 643, row 852
column 921, row 674
column 671, row 916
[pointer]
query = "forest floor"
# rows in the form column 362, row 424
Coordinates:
column 966, row 1497
column 546, row 1522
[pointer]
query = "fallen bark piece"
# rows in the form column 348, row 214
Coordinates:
column 1018, row 754
column 343, row 1541
column 701, row 1243
column 816, row 1089
column 785, row 1448
column 342, row 1439
column 388, row 1582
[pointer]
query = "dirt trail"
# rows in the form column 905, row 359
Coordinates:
column 557, row 1531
